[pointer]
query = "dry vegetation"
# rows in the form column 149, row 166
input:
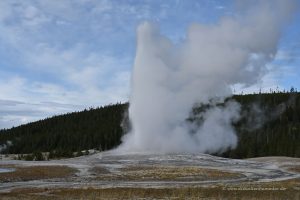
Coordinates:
column 99, row 171
column 164, row 173
column 267, row 191
column 35, row 173
column 289, row 189
column 295, row 168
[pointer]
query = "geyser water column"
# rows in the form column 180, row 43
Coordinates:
column 168, row 79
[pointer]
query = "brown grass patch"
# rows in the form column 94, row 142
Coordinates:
column 176, row 193
column 289, row 184
column 167, row 173
column 99, row 170
column 295, row 168
column 36, row 173
column 27, row 193
column 251, row 191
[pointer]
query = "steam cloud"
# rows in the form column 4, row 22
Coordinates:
column 169, row 79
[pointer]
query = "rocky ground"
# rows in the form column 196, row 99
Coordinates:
column 111, row 175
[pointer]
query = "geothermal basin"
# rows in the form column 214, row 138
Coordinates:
column 107, row 175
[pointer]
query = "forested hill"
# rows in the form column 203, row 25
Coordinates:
column 269, row 126
column 94, row 128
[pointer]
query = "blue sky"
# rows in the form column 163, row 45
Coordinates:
column 58, row 56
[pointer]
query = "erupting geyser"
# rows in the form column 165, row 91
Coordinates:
column 168, row 79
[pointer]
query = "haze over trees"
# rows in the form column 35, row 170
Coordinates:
column 269, row 126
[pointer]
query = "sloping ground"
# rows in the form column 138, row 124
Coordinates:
column 111, row 175
column 269, row 126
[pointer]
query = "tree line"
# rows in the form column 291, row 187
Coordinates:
column 94, row 128
column 269, row 126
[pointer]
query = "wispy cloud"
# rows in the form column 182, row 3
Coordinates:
column 79, row 53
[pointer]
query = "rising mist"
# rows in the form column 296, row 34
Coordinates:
column 169, row 79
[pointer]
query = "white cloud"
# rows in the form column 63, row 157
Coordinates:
column 271, row 81
column 100, row 6
column 39, row 100
column 220, row 7
column 5, row 10
column 286, row 55
column 86, row 83
column 75, row 51
column 79, row 68
column 24, row 112
column 33, row 17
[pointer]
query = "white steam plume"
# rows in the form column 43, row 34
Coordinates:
column 168, row 79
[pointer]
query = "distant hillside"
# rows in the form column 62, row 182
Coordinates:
column 269, row 126
column 94, row 128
